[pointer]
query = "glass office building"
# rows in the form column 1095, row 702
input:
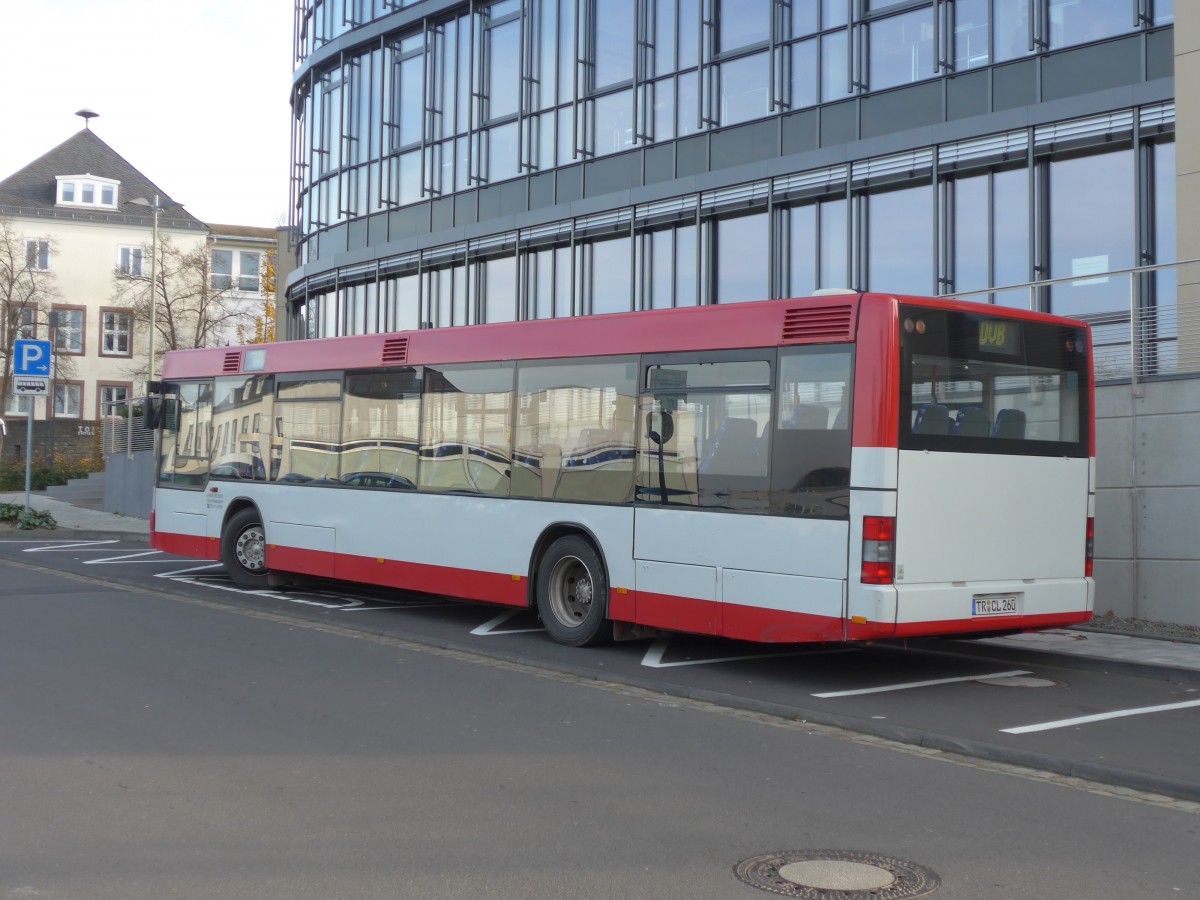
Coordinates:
column 464, row 162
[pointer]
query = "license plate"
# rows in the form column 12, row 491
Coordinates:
column 995, row 605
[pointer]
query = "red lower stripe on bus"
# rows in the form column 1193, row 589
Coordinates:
column 744, row 623
column 193, row 546
column 420, row 577
column 991, row 623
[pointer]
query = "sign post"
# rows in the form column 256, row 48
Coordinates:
column 31, row 378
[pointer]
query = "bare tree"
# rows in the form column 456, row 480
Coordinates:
column 264, row 319
column 27, row 290
column 194, row 307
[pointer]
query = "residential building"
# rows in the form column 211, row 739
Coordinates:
column 87, row 218
column 460, row 162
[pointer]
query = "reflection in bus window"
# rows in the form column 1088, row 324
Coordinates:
column 465, row 429
column 186, row 464
column 810, row 475
column 380, row 425
column 575, row 431
column 308, row 429
column 239, row 453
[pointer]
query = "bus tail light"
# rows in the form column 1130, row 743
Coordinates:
column 879, row 550
column 1089, row 547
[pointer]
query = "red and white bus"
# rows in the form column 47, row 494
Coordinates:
column 838, row 468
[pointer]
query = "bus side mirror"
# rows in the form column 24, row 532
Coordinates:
column 151, row 412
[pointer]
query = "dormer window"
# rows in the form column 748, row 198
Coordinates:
column 87, row 191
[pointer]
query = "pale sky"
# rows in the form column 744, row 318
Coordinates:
column 193, row 93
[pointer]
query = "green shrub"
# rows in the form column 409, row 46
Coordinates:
column 59, row 469
column 34, row 518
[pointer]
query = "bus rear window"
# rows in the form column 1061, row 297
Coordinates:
column 991, row 384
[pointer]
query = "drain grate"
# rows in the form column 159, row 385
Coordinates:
column 836, row 875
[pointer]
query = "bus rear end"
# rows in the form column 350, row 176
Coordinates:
column 975, row 513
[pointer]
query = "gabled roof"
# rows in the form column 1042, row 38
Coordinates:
column 244, row 232
column 33, row 189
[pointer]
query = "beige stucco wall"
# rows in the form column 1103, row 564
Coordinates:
column 83, row 259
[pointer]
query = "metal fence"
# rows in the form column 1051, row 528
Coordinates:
column 122, row 429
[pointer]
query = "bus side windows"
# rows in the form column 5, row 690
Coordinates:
column 810, row 468
column 575, row 431
column 465, row 430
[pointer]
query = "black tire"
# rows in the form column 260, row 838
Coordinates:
column 572, row 593
column 244, row 548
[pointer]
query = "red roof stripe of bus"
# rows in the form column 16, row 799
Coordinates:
column 743, row 325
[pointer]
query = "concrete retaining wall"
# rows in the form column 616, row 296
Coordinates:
column 1148, row 500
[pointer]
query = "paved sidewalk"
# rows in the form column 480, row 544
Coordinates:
column 79, row 523
column 1150, row 656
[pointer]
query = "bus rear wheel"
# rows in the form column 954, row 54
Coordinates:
column 572, row 593
column 244, row 549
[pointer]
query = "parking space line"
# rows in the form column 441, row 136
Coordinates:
column 919, row 684
column 488, row 628
column 1100, row 717
column 653, row 657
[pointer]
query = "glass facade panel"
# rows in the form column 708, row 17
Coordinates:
column 900, row 240
column 742, row 267
column 504, row 74
column 743, row 91
column 614, row 123
column 1093, row 221
column 610, row 270
column 972, row 46
column 1080, row 21
column 901, row 49
column 835, row 247
column 971, row 234
column 742, row 23
column 803, row 255
column 500, row 299
column 806, row 82
column 1010, row 31
column 835, row 83
column 1010, row 235
column 614, row 40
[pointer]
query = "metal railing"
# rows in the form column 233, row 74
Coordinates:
column 122, row 429
column 1145, row 337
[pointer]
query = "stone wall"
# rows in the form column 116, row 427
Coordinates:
column 72, row 438
column 1148, row 500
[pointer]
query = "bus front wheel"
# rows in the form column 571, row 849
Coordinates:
column 572, row 593
column 244, row 549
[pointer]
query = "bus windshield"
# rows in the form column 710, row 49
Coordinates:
column 990, row 384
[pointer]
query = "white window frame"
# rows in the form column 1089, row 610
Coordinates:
column 232, row 280
column 105, row 400
column 37, row 250
column 126, row 256
column 71, row 189
column 116, row 332
column 76, row 347
column 68, row 390
column 17, row 405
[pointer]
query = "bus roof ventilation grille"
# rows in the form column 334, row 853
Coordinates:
column 233, row 362
column 817, row 324
column 395, row 351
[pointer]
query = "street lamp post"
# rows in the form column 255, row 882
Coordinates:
column 155, row 208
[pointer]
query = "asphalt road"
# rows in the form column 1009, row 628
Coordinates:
column 165, row 739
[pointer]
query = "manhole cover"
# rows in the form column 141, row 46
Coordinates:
column 1025, row 681
column 836, row 875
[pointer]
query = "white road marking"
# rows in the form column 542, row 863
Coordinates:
column 488, row 628
column 653, row 657
column 64, row 546
column 1100, row 717
column 129, row 557
column 918, row 684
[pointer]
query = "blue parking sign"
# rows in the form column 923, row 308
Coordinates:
column 31, row 358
